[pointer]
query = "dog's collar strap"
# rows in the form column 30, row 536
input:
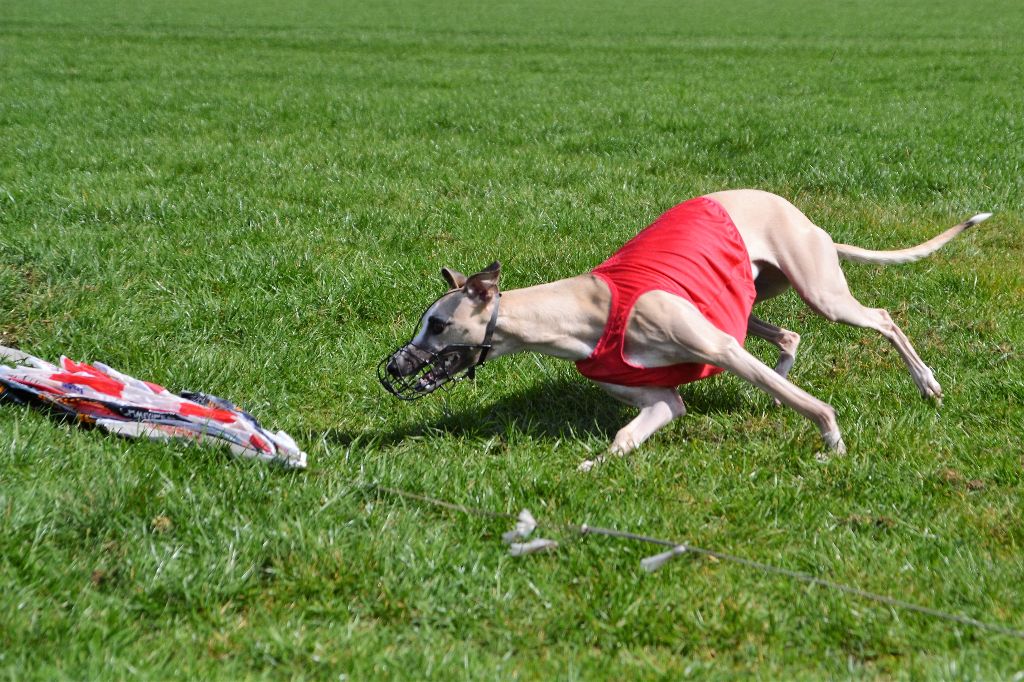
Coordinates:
column 488, row 335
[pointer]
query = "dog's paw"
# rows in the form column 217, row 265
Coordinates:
column 587, row 464
column 933, row 392
column 930, row 389
column 834, row 444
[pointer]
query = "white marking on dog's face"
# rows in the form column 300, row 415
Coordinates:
column 455, row 318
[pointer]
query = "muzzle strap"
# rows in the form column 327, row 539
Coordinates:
column 486, row 345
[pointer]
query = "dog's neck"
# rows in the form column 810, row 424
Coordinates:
column 564, row 319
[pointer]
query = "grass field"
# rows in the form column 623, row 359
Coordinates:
column 255, row 200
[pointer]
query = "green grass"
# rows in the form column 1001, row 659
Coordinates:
column 255, row 200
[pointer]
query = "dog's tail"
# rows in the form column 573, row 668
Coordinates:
column 914, row 253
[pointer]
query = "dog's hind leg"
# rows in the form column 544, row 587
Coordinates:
column 658, row 406
column 785, row 340
column 813, row 270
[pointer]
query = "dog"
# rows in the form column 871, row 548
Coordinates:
column 669, row 336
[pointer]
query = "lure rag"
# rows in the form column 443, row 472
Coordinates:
column 97, row 395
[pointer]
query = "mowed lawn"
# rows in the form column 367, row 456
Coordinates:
column 254, row 199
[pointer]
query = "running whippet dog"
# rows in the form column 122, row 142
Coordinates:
column 672, row 306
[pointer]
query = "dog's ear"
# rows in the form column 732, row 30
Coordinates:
column 455, row 279
column 484, row 285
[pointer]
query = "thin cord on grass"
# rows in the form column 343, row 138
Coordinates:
column 471, row 511
column 803, row 577
column 586, row 529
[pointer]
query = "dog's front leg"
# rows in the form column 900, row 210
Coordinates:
column 670, row 329
column 658, row 406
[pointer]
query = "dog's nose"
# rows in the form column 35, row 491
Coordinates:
column 392, row 368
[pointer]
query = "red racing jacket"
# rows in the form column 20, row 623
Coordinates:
column 693, row 251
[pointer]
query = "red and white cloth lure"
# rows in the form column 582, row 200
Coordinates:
column 96, row 395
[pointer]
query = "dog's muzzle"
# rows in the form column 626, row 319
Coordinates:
column 412, row 372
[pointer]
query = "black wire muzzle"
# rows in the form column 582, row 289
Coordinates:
column 434, row 369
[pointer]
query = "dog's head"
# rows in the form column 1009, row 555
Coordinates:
column 452, row 340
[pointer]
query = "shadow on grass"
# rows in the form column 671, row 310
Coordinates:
column 554, row 409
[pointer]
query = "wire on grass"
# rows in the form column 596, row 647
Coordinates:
column 677, row 548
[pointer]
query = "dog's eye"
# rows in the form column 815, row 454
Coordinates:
column 436, row 325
